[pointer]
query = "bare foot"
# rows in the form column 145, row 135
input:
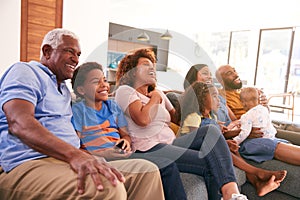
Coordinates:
column 265, row 175
column 264, row 187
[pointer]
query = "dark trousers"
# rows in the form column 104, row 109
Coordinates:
column 203, row 152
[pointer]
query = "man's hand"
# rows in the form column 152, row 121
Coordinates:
column 262, row 98
column 255, row 133
column 83, row 164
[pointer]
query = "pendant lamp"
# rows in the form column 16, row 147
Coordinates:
column 166, row 36
column 143, row 37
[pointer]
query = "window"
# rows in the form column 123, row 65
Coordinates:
column 272, row 67
column 216, row 45
column 242, row 54
column 294, row 78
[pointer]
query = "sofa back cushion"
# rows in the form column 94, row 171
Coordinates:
column 174, row 98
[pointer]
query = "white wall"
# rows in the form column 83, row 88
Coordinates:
column 89, row 20
column 10, row 14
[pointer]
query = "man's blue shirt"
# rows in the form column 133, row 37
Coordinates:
column 35, row 83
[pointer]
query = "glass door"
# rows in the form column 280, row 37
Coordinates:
column 294, row 79
column 273, row 60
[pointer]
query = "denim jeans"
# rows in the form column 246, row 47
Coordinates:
column 203, row 152
column 170, row 175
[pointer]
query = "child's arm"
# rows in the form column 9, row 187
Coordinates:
column 126, row 137
column 246, row 126
column 229, row 134
column 233, row 129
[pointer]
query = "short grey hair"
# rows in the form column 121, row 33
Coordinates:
column 54, row 38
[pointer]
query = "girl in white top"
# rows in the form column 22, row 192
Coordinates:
column 267, row 147
column 256, row 116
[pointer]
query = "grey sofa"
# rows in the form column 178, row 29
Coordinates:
column 289, row 188
column 195, row 187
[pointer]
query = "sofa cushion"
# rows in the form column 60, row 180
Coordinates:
column 250, row 192
column 174, row 98
column 195, row 186
column 293, row 127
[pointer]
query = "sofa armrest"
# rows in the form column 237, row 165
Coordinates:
column 292, row 136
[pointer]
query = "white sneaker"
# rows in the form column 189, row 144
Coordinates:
column 238, row 197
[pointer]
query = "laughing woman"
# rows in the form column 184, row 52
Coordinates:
column 149, row 113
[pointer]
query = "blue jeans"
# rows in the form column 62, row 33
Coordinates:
column 170, row 176
column 203, row 152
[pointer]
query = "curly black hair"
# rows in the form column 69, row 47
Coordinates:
column 124, row 75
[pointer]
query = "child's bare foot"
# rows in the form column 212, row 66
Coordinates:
column 265, row 175
column 264, row 187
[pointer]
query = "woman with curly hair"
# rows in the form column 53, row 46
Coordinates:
column 149, row 113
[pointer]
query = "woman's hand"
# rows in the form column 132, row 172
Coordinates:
column 142, row 114
column 229, row 134
column 234, row 125
column 222, row 126
column 232, row 130
column 155, row 96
